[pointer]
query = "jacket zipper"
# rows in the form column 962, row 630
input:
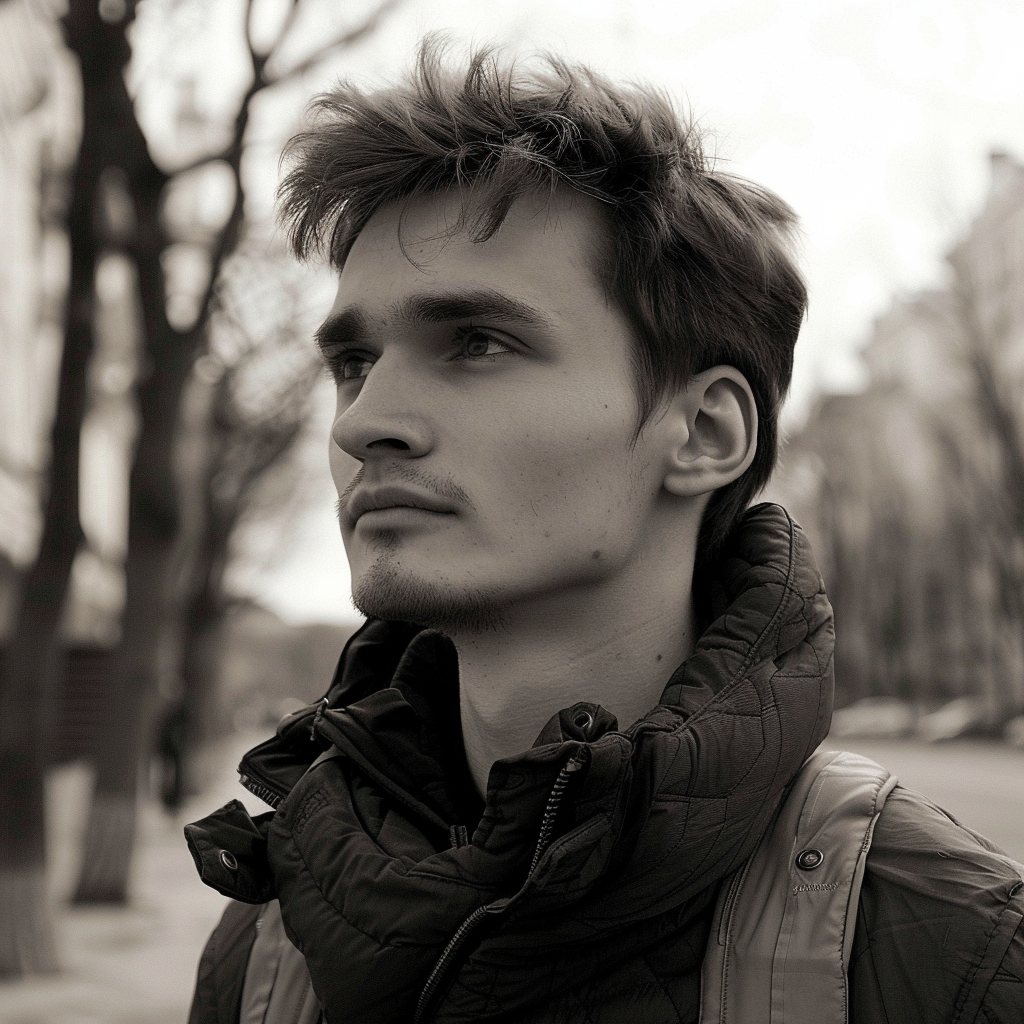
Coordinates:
column 500, row 906
column 261, row 786
column 268, row 795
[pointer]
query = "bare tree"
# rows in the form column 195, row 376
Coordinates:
column 257, row 382
column 26, row 704
column 920, row 495
column 154, row 516
column 986, row 443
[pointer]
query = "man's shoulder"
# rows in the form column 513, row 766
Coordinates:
column 939, row 921
column 922, row 850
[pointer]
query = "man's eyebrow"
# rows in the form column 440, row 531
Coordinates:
column 483, row 304
column 346, row 328
column 349, row 328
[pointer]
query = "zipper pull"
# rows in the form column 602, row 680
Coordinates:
column 458, row 836
column 547, row 824
column 426, row 1005
column 320, row 708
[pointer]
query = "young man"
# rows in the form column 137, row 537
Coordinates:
column 590, row 675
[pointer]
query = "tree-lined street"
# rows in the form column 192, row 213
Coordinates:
column 135, row 964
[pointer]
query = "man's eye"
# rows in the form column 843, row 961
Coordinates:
column 349, row 366
column 477, row 344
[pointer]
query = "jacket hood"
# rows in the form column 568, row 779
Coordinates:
column 365, row 850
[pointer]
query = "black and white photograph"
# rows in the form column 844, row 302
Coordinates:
column 511, row 511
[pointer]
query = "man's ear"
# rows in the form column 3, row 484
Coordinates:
column 712, row 432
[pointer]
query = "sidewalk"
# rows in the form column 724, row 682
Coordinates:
column 134, row 965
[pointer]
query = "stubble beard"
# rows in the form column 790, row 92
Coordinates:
column 385, row 591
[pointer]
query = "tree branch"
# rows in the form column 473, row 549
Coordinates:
column 985, row 339
column 286, row 27
column 346, row 39
column 202, row 161
column 253, row 56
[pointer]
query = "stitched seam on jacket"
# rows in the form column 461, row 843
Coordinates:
column 968, row 982
column 333, row 906
column 787, row 592
column 879, row 987
column 315, row 800
column 659, row 981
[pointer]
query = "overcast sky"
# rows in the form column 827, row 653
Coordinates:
column 873, row 119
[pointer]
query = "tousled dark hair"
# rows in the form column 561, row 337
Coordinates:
column 698, row 259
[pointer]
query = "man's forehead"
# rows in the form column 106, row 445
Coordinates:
column 422, row 226
column 420, row 259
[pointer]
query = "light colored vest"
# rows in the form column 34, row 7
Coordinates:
column 277, row 989
column 783, row 928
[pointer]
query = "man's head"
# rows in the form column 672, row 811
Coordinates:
column 595, row 207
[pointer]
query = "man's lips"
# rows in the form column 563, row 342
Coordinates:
column 373, row 499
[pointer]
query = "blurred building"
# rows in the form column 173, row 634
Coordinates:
column 988, row 267
column 39, row 126
column 913, row 490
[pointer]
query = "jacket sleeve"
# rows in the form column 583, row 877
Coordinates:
column 939, row 933
column 1004, row 1000
column 221, row 974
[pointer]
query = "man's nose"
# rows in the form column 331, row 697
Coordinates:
column 385, row 417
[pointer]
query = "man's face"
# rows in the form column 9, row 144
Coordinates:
column 484, row 446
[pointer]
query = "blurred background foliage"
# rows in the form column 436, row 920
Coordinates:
column 913, row 493
column 172, row 332
column 159, row 379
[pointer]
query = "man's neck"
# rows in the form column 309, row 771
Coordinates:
column 608, row 649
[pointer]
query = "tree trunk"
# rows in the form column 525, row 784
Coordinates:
column 202, row 641
column 124, row 738
column 26, row 703
column 204, row 606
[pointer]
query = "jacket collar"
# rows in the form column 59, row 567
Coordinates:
column 735, row 722
column 663, row 812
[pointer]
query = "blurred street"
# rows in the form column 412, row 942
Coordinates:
column 980, row 783
column 137, row 966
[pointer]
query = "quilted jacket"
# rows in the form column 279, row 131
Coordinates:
column 581, row 888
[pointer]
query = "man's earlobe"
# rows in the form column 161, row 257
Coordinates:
column 712, row 432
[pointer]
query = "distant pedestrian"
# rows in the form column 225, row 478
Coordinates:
column 171, row 752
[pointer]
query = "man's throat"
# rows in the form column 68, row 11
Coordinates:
column 511, row 686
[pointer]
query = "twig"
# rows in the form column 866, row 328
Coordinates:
column 202, row 161
column 346, row 39
column 286, row 27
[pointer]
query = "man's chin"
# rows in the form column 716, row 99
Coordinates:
column 384, row 591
